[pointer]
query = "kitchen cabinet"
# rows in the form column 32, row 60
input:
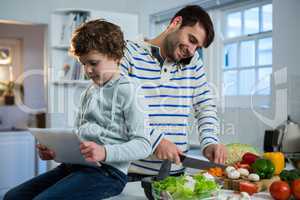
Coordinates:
column 17, row 153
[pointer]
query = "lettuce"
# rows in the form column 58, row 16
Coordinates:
column 186, row 187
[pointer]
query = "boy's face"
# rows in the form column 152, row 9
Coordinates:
column 183, row 42
column 98, row 66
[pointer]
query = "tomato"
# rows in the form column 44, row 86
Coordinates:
column 296, row 188
column 248, row 187
column 280, row 190
column 240, row 165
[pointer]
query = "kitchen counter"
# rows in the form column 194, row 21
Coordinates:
column 134, row 190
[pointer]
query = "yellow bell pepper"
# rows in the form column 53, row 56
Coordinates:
column 277, row 158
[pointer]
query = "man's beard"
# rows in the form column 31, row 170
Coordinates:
column 170, row 47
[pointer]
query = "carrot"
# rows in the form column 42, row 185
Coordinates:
column 215, row 171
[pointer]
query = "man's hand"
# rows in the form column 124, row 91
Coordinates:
column 167, row 150
column 92, row 152
column 45, row 153
column 216, row 153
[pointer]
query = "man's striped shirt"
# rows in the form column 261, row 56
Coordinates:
column 173, row 93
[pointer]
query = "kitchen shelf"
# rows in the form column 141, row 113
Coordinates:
column 61, row 47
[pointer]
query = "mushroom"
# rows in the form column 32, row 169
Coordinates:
column 243, row 172
column 234, row 174
column 253, row 177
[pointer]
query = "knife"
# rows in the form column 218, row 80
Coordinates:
column 196, row 163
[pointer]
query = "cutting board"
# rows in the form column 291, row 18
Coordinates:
column 263, row 185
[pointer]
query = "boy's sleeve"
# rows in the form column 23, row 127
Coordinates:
column 138, row 145
column 205, row 109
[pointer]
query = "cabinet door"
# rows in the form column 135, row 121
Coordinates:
column 17, row 153
column 127, row 22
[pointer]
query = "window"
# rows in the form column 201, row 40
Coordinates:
column 247, row 54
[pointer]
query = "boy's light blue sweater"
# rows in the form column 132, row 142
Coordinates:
column 112, row 115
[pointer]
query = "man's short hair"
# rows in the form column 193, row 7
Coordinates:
column 99, row 35
column 193, row 14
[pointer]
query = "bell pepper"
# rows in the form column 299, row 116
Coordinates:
column 264, row 168
column 249, row 158
column 277, row 158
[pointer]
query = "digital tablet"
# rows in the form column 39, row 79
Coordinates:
column 64, row 142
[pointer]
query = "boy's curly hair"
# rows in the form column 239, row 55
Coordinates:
column 100, row 35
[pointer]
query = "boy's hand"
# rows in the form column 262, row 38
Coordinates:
column 45, row 153
column 92, row 152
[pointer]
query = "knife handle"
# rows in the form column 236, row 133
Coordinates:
column 164, row 170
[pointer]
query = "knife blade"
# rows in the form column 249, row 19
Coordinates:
column 191, row 162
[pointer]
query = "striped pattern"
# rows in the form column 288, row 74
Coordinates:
column 172, row 97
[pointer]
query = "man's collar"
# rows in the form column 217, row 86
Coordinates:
column 155, row 52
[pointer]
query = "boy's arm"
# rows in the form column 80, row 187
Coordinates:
column 138, row 133
column 138, row 145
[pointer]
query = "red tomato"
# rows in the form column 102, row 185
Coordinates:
column 240, row 165
column 248, row 187
column 296, row 189
column 280, row 190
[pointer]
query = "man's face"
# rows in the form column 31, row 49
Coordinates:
column 98, row 67
column 183, row 42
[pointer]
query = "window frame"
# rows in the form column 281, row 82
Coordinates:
column 240, row 100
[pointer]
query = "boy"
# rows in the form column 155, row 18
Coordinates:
column 109, row 122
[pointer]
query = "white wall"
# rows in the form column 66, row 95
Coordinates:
column 286, row 50
column 39, row 11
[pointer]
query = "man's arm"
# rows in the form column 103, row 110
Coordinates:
column 206, row 118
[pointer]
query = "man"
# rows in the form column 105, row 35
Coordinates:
column 174, row 83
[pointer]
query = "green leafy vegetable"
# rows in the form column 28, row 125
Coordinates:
column 290, row 175
column 186, row 187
